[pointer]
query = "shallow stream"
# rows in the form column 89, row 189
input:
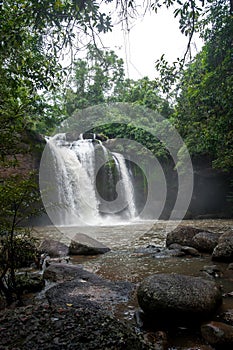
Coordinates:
column 127, row 260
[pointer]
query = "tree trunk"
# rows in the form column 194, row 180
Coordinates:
column 6, row 292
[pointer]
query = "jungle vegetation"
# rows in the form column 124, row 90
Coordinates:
column 37, row 92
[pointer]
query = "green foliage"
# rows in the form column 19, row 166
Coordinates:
column 204, row 110
column 202, row 17
column 19, row 200
column 34, row 36
column 16, row 252
column 18, row 195
column 97, row 78
column 100, row 78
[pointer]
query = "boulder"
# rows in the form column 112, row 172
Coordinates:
column 90, row 290
column 82, row 244
column 205, row 241
column 218, row 334
column 53, row 248
column 176, row 295
column 62, row 272
column 224, row 250
column 182, row 235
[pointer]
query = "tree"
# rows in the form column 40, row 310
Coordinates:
column 144, row 92
column 96, row 79
column 99, row 79
column 19, row 200
column 204, row 110
column 195, row 16
column 34, row 35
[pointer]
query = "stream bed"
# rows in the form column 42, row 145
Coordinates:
column 128, row 261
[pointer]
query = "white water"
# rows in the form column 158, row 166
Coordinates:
column 127, row 184
column 74, row 196
column 74, row 169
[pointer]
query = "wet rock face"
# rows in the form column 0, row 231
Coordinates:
column 85, row 288
column 224, row 250
column 178, row 295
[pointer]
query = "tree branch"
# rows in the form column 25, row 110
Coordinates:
column 191, row 32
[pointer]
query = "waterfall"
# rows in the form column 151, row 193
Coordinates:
column 74, row 194
column 126, row 183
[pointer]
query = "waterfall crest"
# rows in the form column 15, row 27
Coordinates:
column 81, row 189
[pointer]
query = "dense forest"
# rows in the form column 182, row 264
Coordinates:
column 37, row 92
column 36, row 35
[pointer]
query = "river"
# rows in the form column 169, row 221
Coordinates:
column 128, row 261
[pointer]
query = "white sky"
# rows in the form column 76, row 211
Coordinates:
column 149, row 37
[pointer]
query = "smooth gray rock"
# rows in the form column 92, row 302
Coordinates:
column 190, row 251
column 178, row 295
column 82, row 244
column 62, row 272
column 53, row 248
column 184, row 249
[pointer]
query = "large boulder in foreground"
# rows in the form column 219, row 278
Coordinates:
column 175, row 295
column 82, row 244
column 85, row 288
column 39, row 327
column 224, row 250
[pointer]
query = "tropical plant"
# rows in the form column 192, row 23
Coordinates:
column 19, row 201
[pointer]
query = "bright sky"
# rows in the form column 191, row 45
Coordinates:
column 150, row 37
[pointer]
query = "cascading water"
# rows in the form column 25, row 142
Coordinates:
column 73, row 165
column 74, row 196
column 126, row 182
